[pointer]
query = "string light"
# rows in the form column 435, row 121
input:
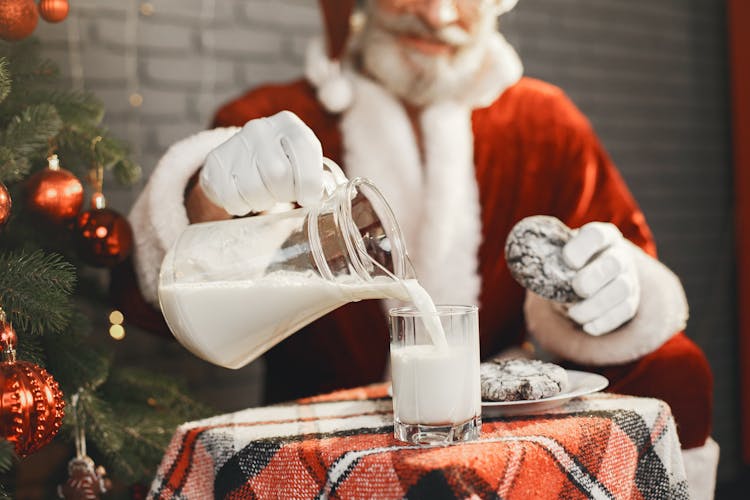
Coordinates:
column 116, row 317
column 146, row 9
column 136, row 99
column 116, row 330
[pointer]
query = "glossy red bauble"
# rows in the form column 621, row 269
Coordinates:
column 54, row 11
column 18, row 19
column 31, row 402
column 54, row 193
column 103, row 237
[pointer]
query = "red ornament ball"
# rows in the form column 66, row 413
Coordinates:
column 18, row 19
column 32, row 405
column 5, row 204
column 54, row 11
column 103, row 237
column 55, row 194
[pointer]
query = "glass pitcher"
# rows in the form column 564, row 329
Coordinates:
column 231, row 290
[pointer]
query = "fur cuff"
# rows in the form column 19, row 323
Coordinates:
column 663, row 312
column 700, row 469
column 158, row 215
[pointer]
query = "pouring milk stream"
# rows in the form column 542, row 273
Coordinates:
column 231, row 290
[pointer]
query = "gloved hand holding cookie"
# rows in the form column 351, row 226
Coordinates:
column 589, row 270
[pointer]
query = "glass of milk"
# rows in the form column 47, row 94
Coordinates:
column 436, row 386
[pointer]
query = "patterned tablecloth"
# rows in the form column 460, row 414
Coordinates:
column 341, row 446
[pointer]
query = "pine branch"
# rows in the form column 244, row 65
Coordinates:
column 27, row 135
column 30, row 131
column 7, row 456
column 30, row 349
column 103, row 430
column 74, row 107
column 5, row 82
column 77, row 122
column 26, row 66
column 7, row 460
column 35, row 289
column 127, row 172
column 75, row 147
column 75, row 367
column 12, row 167
column 150, row 408
column 136, row 385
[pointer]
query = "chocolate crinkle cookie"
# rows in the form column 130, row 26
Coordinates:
column 521, row 379
column 533, row 252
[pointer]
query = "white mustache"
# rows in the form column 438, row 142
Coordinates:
column 453, row 35
column 410, row 25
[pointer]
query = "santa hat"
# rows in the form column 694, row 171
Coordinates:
column 323, row 66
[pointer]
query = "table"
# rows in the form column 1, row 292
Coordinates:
column 341, row 445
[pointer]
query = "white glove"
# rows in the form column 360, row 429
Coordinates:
column 607, row 278
column 271, row 160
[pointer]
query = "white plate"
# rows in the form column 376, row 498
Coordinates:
column 579, row 384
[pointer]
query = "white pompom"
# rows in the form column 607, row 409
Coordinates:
column 317, row 65
column 336, row 93
column 506, row 5
column 334, row 89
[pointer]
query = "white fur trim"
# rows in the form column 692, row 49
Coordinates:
column 504, row 69
column 663, row 311
column 506, row 5
column 158, row 215
column 437, row 206
column 334, row 89
column 379, row 145
column 700, row 468
column 450, row 229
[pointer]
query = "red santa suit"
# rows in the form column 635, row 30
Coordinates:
column 511, row 148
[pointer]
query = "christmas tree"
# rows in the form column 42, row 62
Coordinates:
column 46, row 283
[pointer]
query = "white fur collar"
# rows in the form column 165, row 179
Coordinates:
column 436, row 204
column 443, row 230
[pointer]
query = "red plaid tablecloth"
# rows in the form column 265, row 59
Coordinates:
column 341, row 446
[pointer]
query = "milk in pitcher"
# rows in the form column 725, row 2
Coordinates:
column 230, row 323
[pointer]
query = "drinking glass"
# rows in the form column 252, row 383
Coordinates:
column 436, row 387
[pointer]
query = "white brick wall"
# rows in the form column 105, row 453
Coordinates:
column 191, row 55
column 650, row 75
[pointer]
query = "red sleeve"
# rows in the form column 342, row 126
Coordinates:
column 267, row 100
column 593, row 190
column 591, row 187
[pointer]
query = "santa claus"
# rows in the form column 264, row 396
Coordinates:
column 428, row 100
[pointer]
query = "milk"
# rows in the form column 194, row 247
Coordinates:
column 437, row 383
column 230, row 323
column 435, row 386
column 423, row 303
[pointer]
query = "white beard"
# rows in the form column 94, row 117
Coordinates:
column 422, row 79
